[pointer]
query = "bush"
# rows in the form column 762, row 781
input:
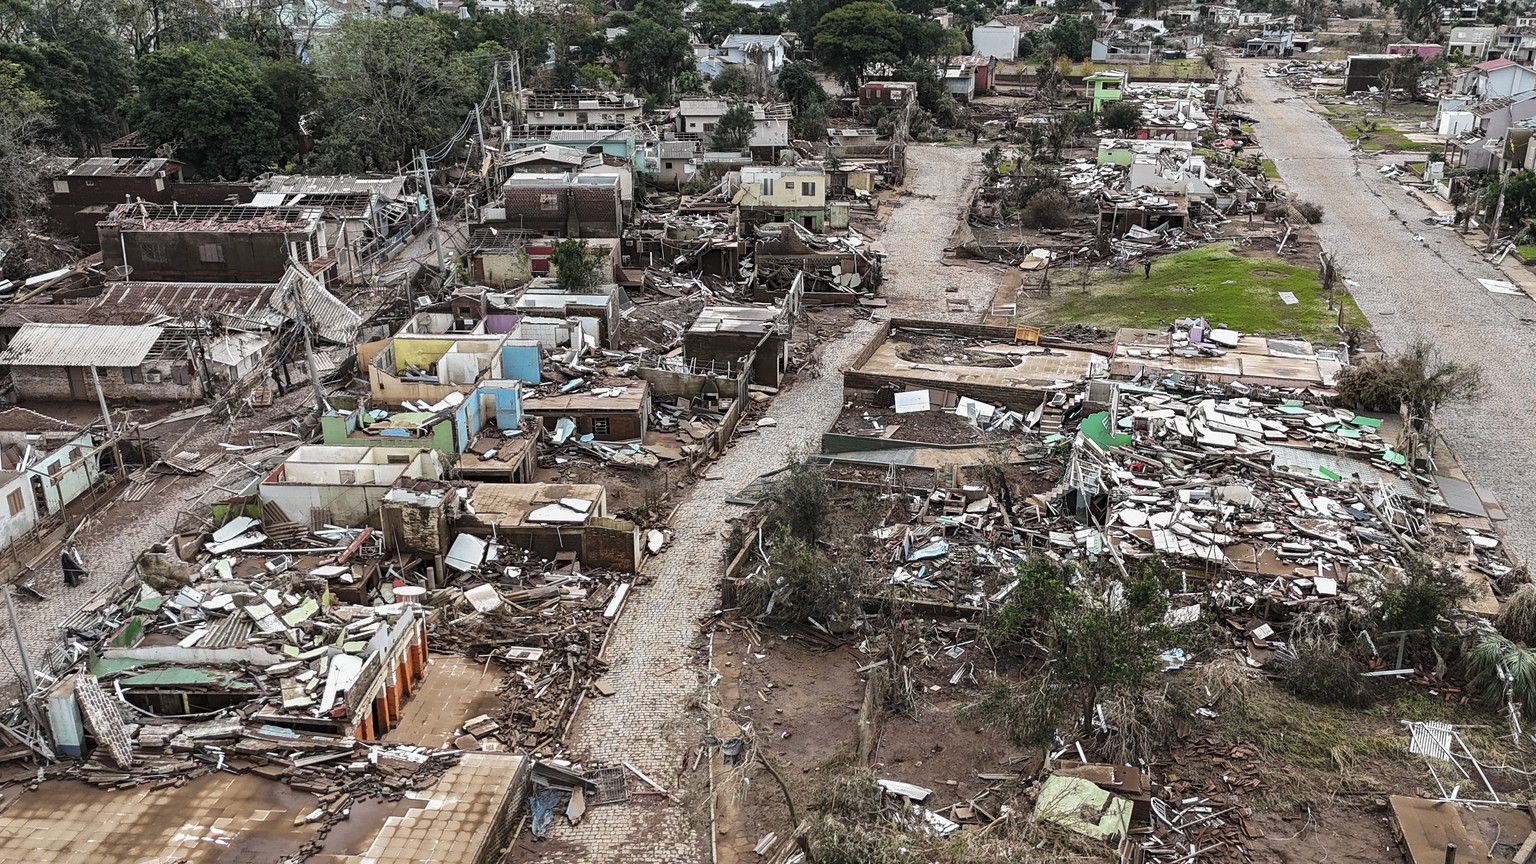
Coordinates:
column 1326, row 674
column 1517, row 617
column 1415, row 378
column 1313, row 213
column 1502, row 670
column 1427, row 591
column 1049, row 209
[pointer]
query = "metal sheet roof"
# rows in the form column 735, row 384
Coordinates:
column 79, row 345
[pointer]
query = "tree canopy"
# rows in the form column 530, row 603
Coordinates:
column 653, row 56
column 211, row 101
column 851, row 39
column 22, row 112
column 390, row 86
column 733, row 129
column 1073, row 37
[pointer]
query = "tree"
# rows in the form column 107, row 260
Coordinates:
column 1420, row 18
column 23, row 114
column 1073, row 37
column 75, row 63
column 732, row 81
column 577, row 271
column 1123, row 116
column 855, row 37
column 798, row 85
column 714, row 20
column 596, row 76
column 733, row 129
column 653, row 56
column 212, row 103
column 390, row 86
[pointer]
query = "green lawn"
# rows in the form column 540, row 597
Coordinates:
column 1190, row 67
column 1213, row 281
column 1270, row 171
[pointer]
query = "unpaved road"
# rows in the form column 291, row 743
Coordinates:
column 1412, row 288
column 654, row 662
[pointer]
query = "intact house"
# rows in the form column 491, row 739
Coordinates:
column 1000, row 36
column 84, row 362
column 782, row 194
column 1471, row 42
column 619, row 411
column 561, row 204
column 729, row 336
column 45, row 464
column 891, row 94
column 1496, row 79
column 1105, row 87
column 318, row 485
column 215, row 244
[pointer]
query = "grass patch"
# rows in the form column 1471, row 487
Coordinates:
column 1313, row 752
column 1269, row 169
column 1242, row 293
column 1526, row 253
column 1190, row 67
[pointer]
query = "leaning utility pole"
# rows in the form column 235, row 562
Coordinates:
column 437, row 238
column 1498, row 214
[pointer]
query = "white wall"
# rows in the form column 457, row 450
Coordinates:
column 999, row 42
column 13, row 526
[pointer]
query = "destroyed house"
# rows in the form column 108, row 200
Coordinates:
column 607, row 412
column 894, row 94
column 731, row 335
column 84, row 362
column 81, row 192
column 548, row 519
column 1495, row 79
column 543, row 306
column 45, row 464
column 987, row 364
column 352, row 686
column 1105, row 87
column 450, row 430
column 219, row 244
column 577, row 109
column 319, row 484
column 361, row 214
column 429, row 368
column 560, row 205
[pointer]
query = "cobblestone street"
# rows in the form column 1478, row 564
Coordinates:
column 653, row 649
column 1415, row 280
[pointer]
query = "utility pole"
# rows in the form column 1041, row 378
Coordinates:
column 1498, row 214
column 309, row 344
column 21, row 647
column 106, row 416
column 437, row 239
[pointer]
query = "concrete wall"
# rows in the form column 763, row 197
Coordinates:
column 16, row 522
column 503, row 269
column 999, row 42
column 178, row 255
column 520, row 361
column 54, row 382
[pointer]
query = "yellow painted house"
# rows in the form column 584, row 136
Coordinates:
column 781, row 194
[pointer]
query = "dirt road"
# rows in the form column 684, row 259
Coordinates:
column 654, row 655
column 1416, row 280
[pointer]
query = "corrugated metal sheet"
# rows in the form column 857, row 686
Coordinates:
column 79, row 345
column 329, row 318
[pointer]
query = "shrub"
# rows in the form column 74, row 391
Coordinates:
column 1499, row 668
column 1427, row 591
column 1517, row 617
column 1049, row 209
column 1326, row 674
column 1416, row 378
column 1313, row 213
